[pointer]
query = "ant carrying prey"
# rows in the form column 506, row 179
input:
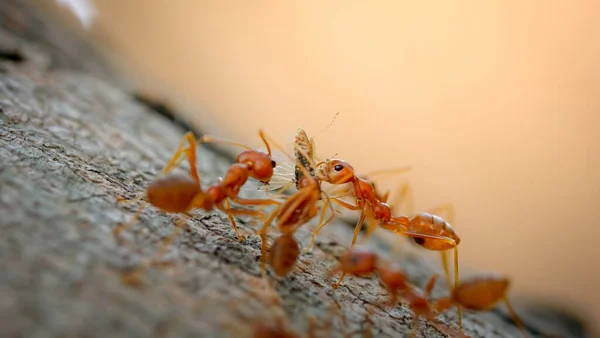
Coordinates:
column 298, row 209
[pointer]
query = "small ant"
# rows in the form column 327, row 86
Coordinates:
column 358, row 261
column 481, row 294
column 179, row 193
column 394, row 280
column 361, row 261
column 278, row 326
column 422, row 307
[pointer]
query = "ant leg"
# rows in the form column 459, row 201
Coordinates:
column 255, row 201
column 430, row 285
column 448, row 211
column 415, row 325
column 263, row 238
column 175, row 158
column 516, row 318
column 385, row 197
column 343, row 189
column 320, row 226
column 444, row 256
column 190, row 153
column 371, row 226
column 458, row 311
column 228, row 211
column 124, row 226
column 134, row 278
column 279, row 192
column 361, row 220
column 405, row 196
column 368, row 326
column 337, row 285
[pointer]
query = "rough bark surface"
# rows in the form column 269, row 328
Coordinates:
column 73, row 140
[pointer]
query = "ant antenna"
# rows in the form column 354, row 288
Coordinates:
column 212, row 139
column 330, row 123
column 276, row 145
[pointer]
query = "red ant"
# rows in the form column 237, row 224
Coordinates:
column 278, row 325
column 361, row 261
column 179, row 193
column 481, row 294
column 358, row 261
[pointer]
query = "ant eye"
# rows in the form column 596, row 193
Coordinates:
column 273, row 163
column 419, row 240
column 338, row 167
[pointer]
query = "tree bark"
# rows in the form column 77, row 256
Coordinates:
column 73, row 139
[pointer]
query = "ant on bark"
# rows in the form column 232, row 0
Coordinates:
column 478, row 294
column 182, row 193
column 482, row 293
column 361, row 261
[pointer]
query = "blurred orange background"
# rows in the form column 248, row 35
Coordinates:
column 494, row 105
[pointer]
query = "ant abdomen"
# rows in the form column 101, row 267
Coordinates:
column 429, row 224
column 481, row 293
column 359, row 261
column 284, row 254
column 260, row 165
column 173, row 192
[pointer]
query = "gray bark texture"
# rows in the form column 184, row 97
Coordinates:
column 72, row 140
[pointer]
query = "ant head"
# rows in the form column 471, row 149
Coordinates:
column 359, row 261
column 481, row 293
column 260, row 165
column 335, row 171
